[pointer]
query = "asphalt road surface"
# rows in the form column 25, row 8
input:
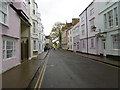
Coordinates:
column 66, row 69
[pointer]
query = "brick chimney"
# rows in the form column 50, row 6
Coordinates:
column 75, row 21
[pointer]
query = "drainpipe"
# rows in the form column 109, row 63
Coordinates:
column 119, row 23
column 87, row 30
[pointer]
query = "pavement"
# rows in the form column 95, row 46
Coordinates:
column 102, row 59
column 21, row 75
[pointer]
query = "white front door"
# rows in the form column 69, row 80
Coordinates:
column 104, row 48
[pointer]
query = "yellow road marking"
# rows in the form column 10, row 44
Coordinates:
column 39, row 80
column 43, row 74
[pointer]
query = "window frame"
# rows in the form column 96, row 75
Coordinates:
column 92, row 43
column 110, row 19
column 13, row 49
column 35, row 45
column 5, row 13
column 92, row 24
column 105, row 21
column 114, row 42
column 83, row 41
column 83, row 29
column 91, row 11
column 116, row 16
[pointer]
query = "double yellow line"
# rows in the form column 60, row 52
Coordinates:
column 41, row 75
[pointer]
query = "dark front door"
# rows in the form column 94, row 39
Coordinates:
column 24, row 50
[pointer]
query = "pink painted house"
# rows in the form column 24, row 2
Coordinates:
column 13, row 14
column 89, row 23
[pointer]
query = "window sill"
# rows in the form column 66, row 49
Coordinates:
column 35, row 50
column 8, row 59
column 115, row 49
column 6, row 25
column 35, row 33
column 92, row 48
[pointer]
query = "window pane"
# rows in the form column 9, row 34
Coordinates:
column 110, row 18
column 9, row 53
column 105, row 21
column 0, row 5
column 3, row 44
column 0, row 16
column 116, row 41
column 4, row 7
column 116, row 16
column 4, row 18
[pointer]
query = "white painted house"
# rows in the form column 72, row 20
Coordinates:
column 109, row 24
column 92, row 28
column 83, row 32
column 70, row 39
column 40, row 34
column 76, row 37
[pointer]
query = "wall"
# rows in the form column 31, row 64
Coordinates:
column 13, row 31
column 83, row 37
column 92, row 34
column 0, row 48
column 104, row 8
column 22, row 6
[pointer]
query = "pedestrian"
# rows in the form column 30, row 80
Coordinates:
column 45, row 48
column 54, row 47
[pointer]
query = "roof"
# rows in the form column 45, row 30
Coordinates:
column 86, row 8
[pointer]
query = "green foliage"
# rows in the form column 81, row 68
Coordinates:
column 56, row 32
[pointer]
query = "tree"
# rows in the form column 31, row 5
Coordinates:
column 56, row 32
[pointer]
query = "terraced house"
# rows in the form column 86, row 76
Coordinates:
column 14, row 20
column 36, row 31
column 109, row 17
column 21, row 32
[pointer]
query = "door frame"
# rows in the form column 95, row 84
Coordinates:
column 104, row 47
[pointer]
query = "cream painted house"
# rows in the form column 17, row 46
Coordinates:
column 36, row 30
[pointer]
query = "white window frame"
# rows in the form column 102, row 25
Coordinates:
column 116, row 16
column 35, row 48
column 115, row 44
column 92, row 24
column 84, row 44
column 110, row 19
column 92, row 11
column 83, row 29
column 105, row 21
column 92, row 43
column 4, row 12
column 82, row 19
column 13, row 49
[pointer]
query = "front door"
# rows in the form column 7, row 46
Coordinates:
column 104, row 48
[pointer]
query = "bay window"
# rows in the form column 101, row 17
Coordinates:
column 8, row 49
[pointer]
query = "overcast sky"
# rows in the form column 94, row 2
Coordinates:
column 59, row 11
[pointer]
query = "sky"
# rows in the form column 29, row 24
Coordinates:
column 59, row 11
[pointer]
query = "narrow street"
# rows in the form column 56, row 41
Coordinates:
column 66, row 69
